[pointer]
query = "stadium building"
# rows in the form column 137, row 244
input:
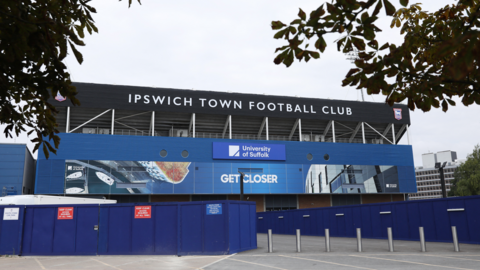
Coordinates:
column 142, row 144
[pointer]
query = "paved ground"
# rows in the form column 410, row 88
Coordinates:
column 108, row 262
column 407, row 255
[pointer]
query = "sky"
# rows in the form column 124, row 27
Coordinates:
column 229, row 46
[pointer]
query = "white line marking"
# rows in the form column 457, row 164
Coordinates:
column 326, row 262
column 434, row 265
column 217, row 261
column 264, row 265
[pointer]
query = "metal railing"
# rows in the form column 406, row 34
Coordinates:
column 423, row 248
column 136, row 132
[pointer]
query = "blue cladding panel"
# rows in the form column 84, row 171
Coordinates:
column 50, row 178
column 12, row 162
column 136, row 148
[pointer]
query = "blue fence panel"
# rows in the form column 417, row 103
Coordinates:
column 143, row 232
column 46, row 234
column 400, row 218
column 427, row 220
column 349, row 222
column 246, row 229
column 86, row 240
column 405, row 218
column 367, row 227
column 472, row 207
column 414, row 221
column 170, row 228
column 386, row 218
column 11, row 231
column 166, row 216
column 458, row 219
column 442, row 222
column 191, row 238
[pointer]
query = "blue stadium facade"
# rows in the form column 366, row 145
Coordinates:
column 17, row 170
column 191, row 146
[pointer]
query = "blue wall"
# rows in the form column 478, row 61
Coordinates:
column 50, row 173
column 405, row 218
column 12, row 163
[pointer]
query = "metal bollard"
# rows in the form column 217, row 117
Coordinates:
column 359, row 240
column 455, row 239
column 270, row 243
column 299, row 243
column 422, row 239
column 390, row 239
column 327, row 240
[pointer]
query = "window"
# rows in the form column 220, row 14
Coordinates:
column 280, row 202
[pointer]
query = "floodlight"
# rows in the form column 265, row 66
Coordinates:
column 444, row 163
column 437, row 165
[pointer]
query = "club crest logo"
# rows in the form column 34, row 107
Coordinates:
column 59, row 97
column 397, row 113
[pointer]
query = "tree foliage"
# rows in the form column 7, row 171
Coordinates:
column 467, row 176
column 35, row 38
column 438, row 59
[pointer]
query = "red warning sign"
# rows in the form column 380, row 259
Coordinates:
column 65, row 213
column 143, row 211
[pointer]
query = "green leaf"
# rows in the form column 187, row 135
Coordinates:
column 404, row 3
column 378, row 7
column 80, row 31
column 63, row 48
column 77, row 54
column 280, row 33
column 364, row 16
column 321, row 44
column 302, row 14
column 384, row 46
column 315, row 55
column 359, row 43
column 277, row 25
column 289, row 59
column 389, row 8
column 451, row 102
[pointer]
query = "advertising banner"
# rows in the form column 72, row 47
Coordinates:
column 156, row 177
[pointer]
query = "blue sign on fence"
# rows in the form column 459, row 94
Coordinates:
column 248, row 151
column 214, row 209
